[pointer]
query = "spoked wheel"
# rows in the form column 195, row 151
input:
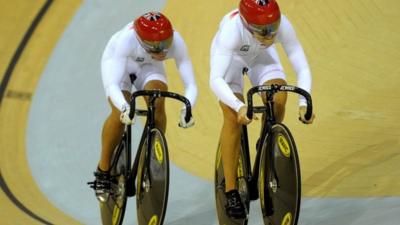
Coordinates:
column 112, row 211
column 219, row 187
column 279, row 178
column 153, row 181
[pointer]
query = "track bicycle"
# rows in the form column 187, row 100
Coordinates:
column 150, row 168
column 275, row 178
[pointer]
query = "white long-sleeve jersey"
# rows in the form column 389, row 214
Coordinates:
column 123, row 55
column 233, row 38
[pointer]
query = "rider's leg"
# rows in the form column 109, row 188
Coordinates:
column 160, row 115
column 230, row 150
column 111, row 135
column 230, row 144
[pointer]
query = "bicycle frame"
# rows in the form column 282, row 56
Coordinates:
column 266, row 170
column 126, row 173
column 150, row 123
column 269, row 120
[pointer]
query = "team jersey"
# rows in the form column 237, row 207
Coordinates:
column 234, row 42
column 123, row 54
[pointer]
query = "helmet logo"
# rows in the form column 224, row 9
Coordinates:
column 262, row 2
column 152, row 16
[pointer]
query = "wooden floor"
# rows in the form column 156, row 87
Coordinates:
column 352, row 149
column 24, row 203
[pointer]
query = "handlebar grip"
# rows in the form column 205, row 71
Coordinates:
column 308, row 114
column 249, row 113
column 188, row 113
column 132, row 108
column 250, row 93
column 131, row 113
column 307, row 96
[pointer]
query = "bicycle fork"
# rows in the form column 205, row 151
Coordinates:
column 270, row 172
column 146, row 181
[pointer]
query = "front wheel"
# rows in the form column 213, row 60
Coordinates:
column 279, row 178
column 153, row 180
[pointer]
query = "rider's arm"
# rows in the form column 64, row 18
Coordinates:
column 219, row 66
column 113, row 67
column 185, row 68
column 294, row 51
column 222, row 52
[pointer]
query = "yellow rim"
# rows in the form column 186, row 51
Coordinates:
column 261, row 179
column 115, row 214
column 240, row 168
column 153, row 220
column 218, row 156
column 140, row 167
column 287, row 219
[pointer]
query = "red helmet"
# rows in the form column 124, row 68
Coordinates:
column 259, row 12
column 260, row 16
column 154, row 31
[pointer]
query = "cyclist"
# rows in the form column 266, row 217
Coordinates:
column 246, row 41
column 134, row 57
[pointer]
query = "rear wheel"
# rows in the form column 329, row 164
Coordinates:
column 153, row 181
column 279, row 178
column 219, row 187
column 112, row 211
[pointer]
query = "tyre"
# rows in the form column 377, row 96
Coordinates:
column 279, row 178
column 153, row 181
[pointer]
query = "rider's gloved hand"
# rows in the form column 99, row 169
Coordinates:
column 182, row 122
column 124, row 117
column 302, row 112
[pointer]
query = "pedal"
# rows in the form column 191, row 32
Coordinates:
column 91, row 184
column 102, row 197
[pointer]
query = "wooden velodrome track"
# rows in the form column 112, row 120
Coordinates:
column 352, row 149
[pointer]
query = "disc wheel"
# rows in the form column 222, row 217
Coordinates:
column 279, row 178
column 153, row 181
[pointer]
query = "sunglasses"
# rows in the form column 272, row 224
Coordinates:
column 269, row 30
column 157, row 47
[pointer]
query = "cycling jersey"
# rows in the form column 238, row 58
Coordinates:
column 123, row 55
column 234, row 47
